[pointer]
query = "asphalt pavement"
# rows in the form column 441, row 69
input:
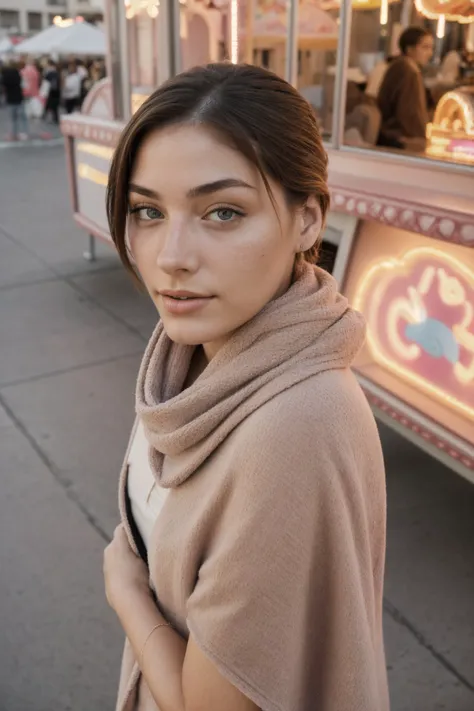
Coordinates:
column 71, row 338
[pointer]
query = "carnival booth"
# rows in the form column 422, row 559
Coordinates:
column 400, row 234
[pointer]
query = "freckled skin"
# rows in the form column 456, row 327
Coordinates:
column 231, row 245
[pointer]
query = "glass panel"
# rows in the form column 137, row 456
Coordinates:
column 416, row 102
column 253, row 31
column 317, row 45
column 263, row 41
column 147, row 22
column 203, row 32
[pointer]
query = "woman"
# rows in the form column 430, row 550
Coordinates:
column 72, row 87
column 51, row 75
column 247, row 571
column 31, row 80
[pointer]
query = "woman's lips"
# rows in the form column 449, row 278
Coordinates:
column 179, row 306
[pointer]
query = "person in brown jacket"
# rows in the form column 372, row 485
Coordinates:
column 402, row 95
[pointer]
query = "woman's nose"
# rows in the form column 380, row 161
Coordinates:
column 176, row 250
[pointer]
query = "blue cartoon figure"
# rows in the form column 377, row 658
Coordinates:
column 435, row 338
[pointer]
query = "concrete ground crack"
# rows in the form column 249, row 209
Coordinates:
column 401, row 620
column 56, row 473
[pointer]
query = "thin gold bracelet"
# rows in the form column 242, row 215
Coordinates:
column 156, row 627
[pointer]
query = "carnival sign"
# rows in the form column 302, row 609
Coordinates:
column 420, row 315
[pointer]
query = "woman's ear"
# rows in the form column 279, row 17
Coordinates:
column 311, row 223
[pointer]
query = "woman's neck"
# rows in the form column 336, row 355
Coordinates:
column 198, row 365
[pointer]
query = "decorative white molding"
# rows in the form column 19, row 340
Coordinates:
column 445, row 225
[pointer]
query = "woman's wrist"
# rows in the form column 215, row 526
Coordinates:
column 129, row 596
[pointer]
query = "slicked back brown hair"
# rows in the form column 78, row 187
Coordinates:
column 254, row 110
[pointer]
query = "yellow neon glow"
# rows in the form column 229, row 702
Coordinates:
column 451, row 291
column 60, row 22
column 94, row 149
column 401, row 308
column 135, row 7
column 356, row 4
column 440, row 9
column 461, row 104
column 234, row 31
column 453, row 119
column 427, row 280
column 461, row 332
column 384, row 12
column 87, row 172
column 439, row 148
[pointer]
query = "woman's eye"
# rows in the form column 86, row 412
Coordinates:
column 224, row 214
column 146, row 214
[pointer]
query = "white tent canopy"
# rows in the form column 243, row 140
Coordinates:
column 6, row 46
column 79, row 38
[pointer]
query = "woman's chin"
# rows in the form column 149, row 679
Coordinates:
column 192, row 334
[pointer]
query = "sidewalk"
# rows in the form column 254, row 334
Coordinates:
column 71, row 339
column 40, row 131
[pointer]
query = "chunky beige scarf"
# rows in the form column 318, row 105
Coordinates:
column 308, row 330
column 272, row 555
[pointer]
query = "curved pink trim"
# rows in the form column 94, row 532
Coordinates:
column 102, row 89
column 420, row 431
column 106, row 133
column 445, row 225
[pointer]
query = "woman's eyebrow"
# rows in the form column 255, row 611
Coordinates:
column 199, row 190
column 140, row 190
column 216, row 185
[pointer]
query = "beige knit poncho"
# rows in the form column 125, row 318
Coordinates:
column 270, row 547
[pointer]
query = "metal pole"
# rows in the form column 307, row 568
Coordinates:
column 169, row 40
column 249, row 31
column 126, row 95
column 90, row 254
column 291, row 73
column 407, row 9
column 340, row 84
column 175, row 33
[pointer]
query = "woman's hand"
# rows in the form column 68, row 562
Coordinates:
column 125, row 573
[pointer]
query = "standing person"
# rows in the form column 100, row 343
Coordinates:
column 2, row 91
column 247, row 572
column 12, row 84
column 72, row 88
column 402, row 95
column 83, row 72
column 95, row 74
column 31, row 80
column 51, row 74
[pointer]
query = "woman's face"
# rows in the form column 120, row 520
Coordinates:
column 205, row 236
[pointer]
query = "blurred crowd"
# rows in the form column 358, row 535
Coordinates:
column 34, row 90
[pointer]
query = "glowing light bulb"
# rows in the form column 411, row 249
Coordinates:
column 441, row 27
